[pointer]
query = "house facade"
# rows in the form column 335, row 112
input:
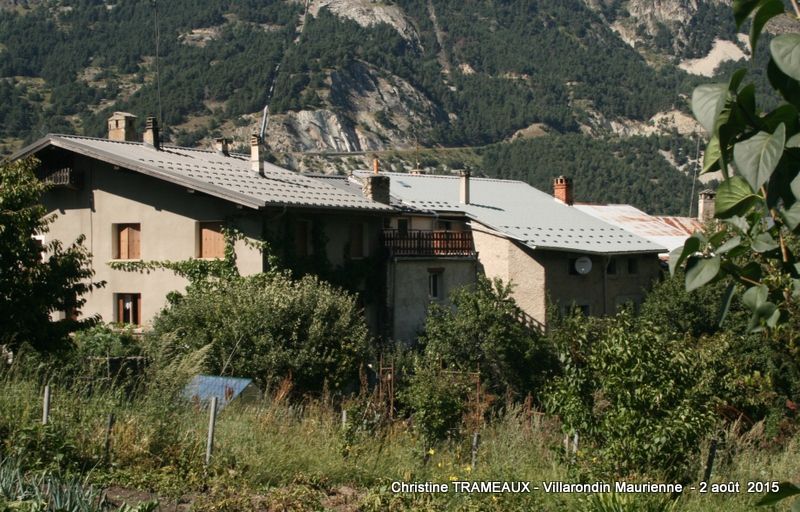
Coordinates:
column 548, row 249
column 143, row 201
column 402, row 241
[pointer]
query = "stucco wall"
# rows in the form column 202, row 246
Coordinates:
column 408, row 290
column 541, row 275
column 168, row 216
column 601, row 292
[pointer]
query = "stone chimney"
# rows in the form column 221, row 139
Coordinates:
column 562, row 190
column 256, row 160
column 463, row 196
column 121, row 127
column 705, row 205
column 151, row 138
column 221, row 146
column 376, row 187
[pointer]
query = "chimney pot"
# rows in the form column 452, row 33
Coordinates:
column 256, row 160
column 464, row 187
column 562, row 190
column 151, row 136
column 221, row 145
column 121, row 127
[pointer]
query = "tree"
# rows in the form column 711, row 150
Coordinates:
column 36, row 279
column 483, row 330
column 268, row 327
column 640, row 399
column 759, row 205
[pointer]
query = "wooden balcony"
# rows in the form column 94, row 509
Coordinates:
column 428, row 243
column 61, row 177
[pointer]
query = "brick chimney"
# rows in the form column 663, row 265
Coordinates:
column 463, row 196
column 376, row 187
column 121, row 126
column 256, row 160
column 221, row 146
column 151, row 137
column 562, row 190
column 705, row 205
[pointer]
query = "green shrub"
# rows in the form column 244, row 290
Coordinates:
column 482, row 330
column 267, row 327
column 438, row 401
column 642, row 400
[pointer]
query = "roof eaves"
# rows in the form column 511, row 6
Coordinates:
column 200, row 186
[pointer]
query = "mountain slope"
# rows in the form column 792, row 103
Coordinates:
column 359, row 75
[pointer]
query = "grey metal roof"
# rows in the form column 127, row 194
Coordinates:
column 519, row 211
column 227, row 177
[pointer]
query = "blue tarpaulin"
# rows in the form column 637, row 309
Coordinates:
column 226, row 389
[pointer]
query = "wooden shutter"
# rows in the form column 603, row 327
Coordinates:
column 129, row 241
column 134, row 250
column 212, row 242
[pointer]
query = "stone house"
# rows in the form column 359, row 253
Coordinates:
column 403, row 241
column 146, row 201
column 546, row 247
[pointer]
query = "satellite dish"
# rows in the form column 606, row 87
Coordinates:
column 583, row 265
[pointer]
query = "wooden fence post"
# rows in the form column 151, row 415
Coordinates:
column 107, row 447
column 712, row 452
column 212, row 421
column 46, row 405
column 475, row 440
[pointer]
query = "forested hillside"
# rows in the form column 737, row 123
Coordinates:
column 364, row 75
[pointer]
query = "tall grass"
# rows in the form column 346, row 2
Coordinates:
column 289, row 452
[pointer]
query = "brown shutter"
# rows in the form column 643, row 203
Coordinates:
column 134, row 250
column 122, row 250
column 212, row 241
column 136, row 318
column 120, row 308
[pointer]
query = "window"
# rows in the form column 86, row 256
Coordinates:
column 633, row 266
column 128, row 245
column 445, row 225
column 212, row 241
column 40, row 244
column 435, row 285
column 572, row 270
column 302, row 232
column 611, row 268
column 402, row 226
column 356, row 241
column 583, row 309
column 129, row 308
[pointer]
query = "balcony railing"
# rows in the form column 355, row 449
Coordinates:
column 63, row 177
column 428, row 243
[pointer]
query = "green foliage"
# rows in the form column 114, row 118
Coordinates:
column 268, row 327
column 438, row 399
column 605, row 170
column 639, row 398
column 482, row 330
column 759, row 208
column 32, row 287
column 25, row 492
column 102, row 340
